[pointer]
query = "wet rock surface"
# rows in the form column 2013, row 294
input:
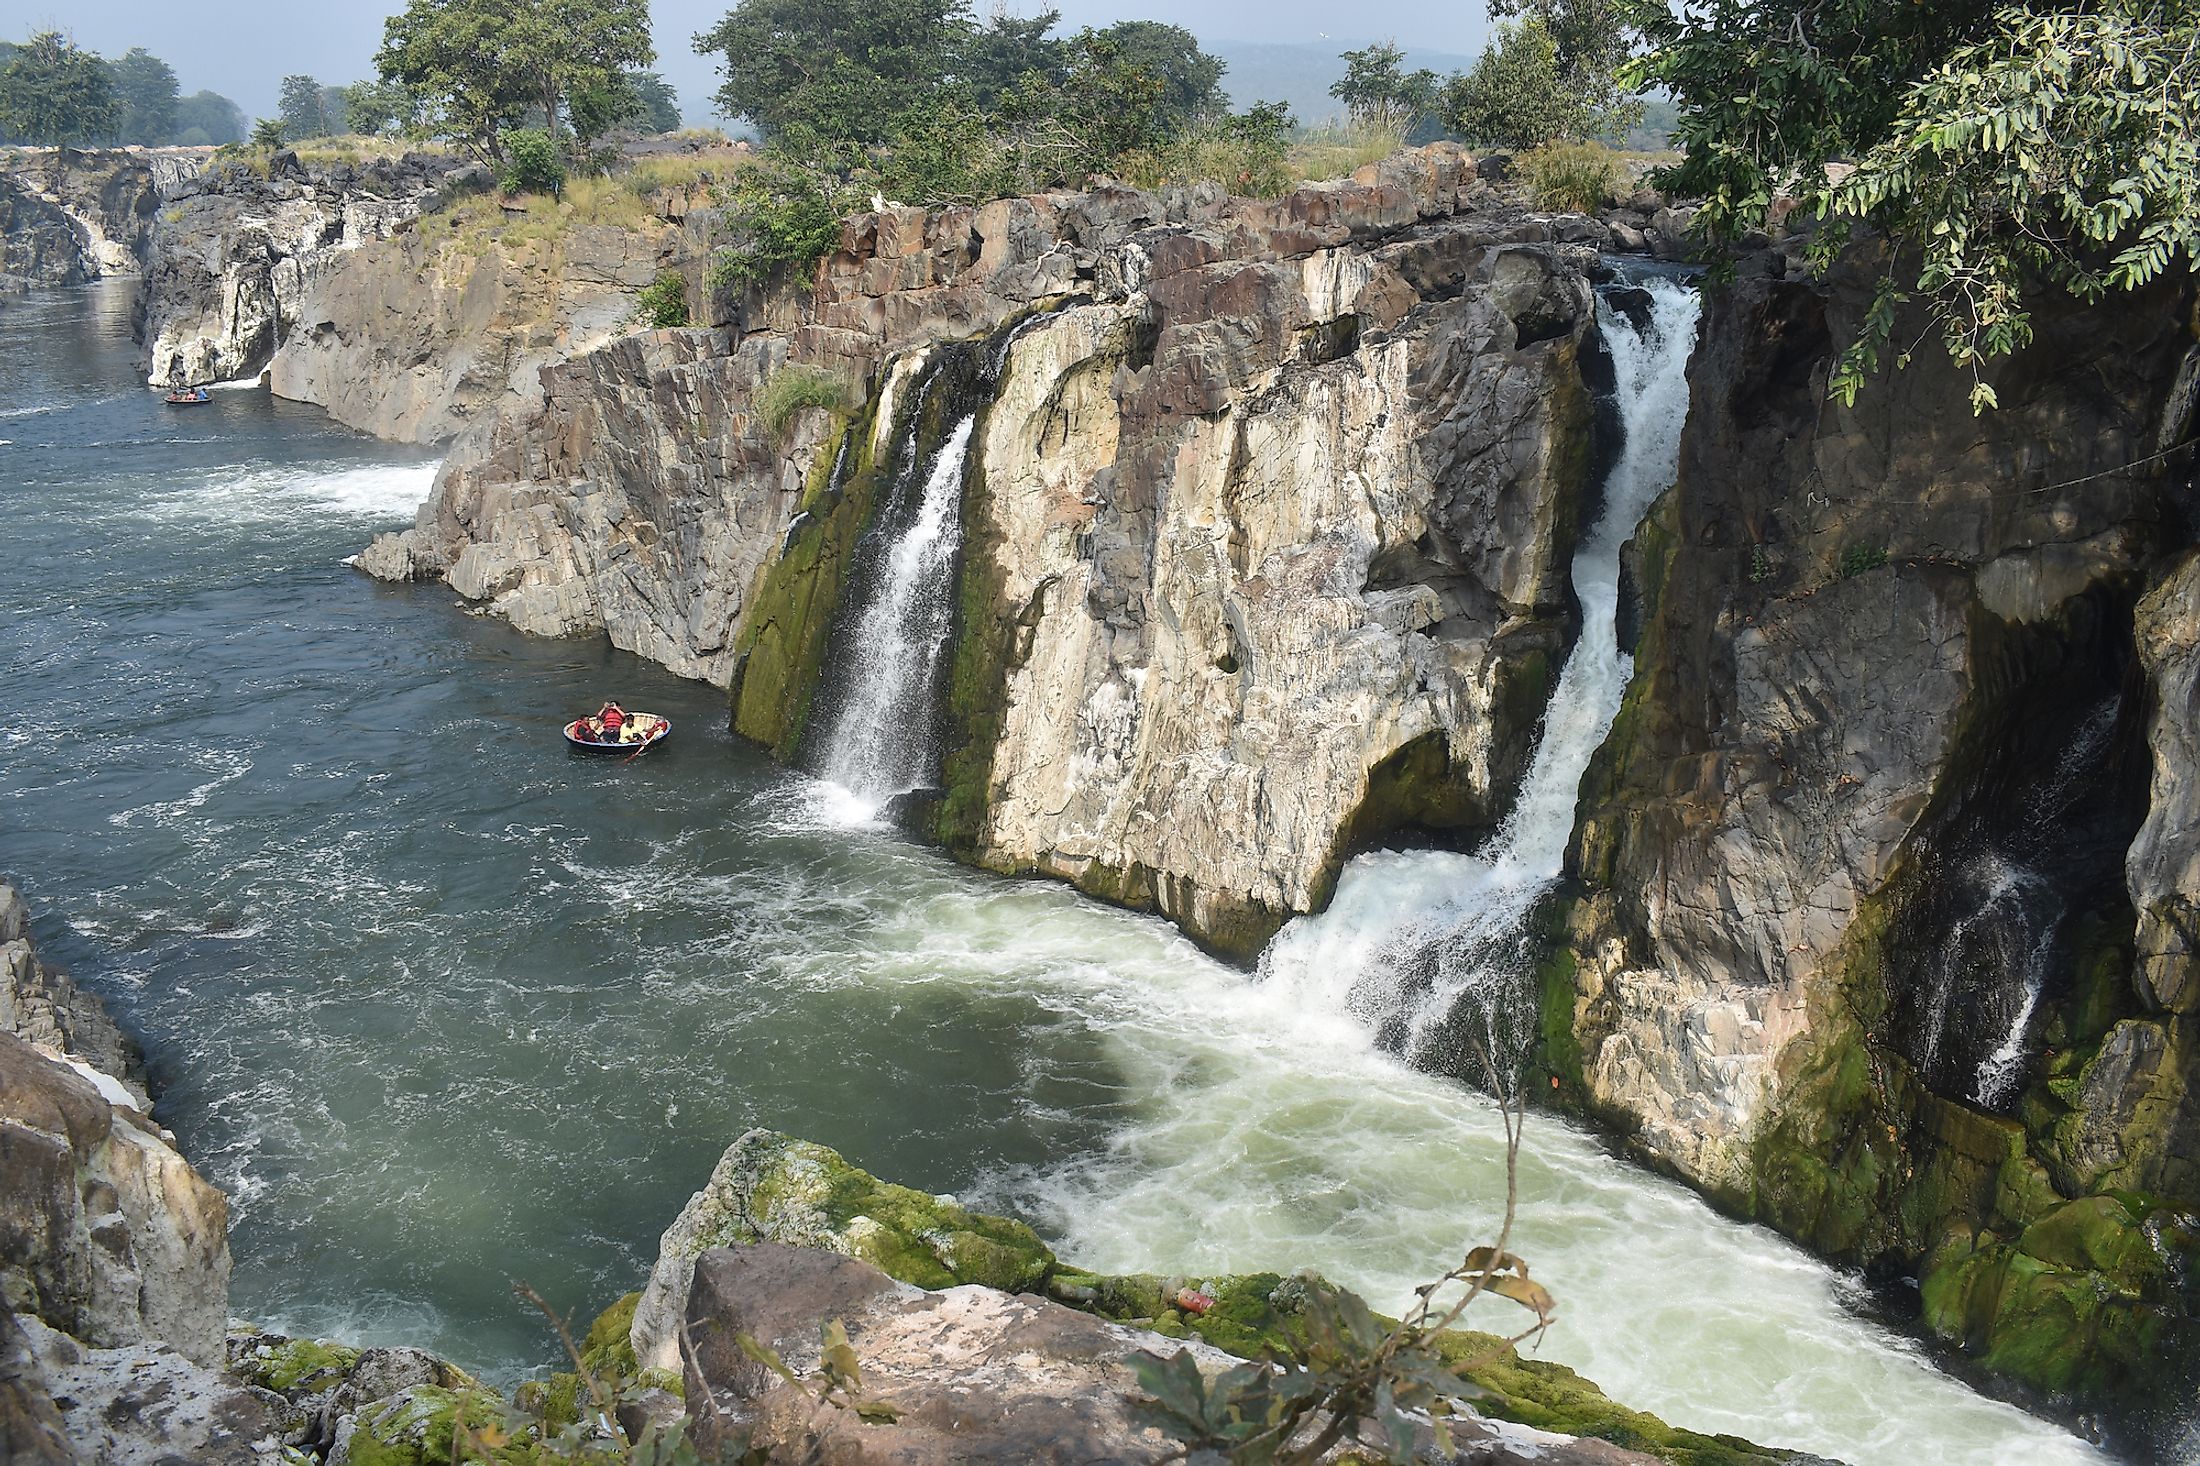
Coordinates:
column 1885, row 647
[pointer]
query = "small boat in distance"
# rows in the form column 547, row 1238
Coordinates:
column 188, row 397
column 638, row 732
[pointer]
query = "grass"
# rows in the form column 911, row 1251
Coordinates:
column 794, row 390
column 1338, row 149
column 1572, row 178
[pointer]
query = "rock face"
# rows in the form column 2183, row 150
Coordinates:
column 1266, row 530
column 420, row 336
column 46, row 1009
column 68, row 216
column 232, row 254
column 1854, row 944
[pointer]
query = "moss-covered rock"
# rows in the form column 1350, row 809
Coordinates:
column 774, row 1188
column 296, row 1364
column 417, row 1428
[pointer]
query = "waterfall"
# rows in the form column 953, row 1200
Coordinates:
column 880, row 736
column 2000, row 925
column 1413, row 939
column 881, row 742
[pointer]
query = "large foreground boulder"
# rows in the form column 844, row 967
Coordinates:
column 971, row 1374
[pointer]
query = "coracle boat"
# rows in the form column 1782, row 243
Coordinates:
column 188, row 398
column 640, row 731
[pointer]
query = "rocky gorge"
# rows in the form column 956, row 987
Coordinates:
column 1250, row 525
column 1290, row 487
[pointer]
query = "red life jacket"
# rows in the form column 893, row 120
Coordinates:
column 613, row 718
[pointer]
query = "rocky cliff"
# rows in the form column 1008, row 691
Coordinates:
column 68, row 216
column 436, row 328
column 232, row 254
column 1264, row 525
column 1883, row 929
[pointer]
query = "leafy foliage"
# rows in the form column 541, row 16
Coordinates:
column 300, row 105
column 1517, row 94
column 533, row 163
column 53, row 91
column 479, row 66
column 2064, row 149
column 2002, row 148
column 208, row 117
column 380, row 109
column 145, row 96
column 832, row 69
column 663, row 302
column 267, row 133
column 1247, row 153
column 786, row 207
column 1381, row 95
column 1576, row 178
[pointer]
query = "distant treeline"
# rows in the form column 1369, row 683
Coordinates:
column 54, row 91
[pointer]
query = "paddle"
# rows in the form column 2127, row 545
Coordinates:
column 647, row 740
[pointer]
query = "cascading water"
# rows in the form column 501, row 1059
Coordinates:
column 2000, row 928
column 880, row 741
column 880, row 744
column 1410, row 937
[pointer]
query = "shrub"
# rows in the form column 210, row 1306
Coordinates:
column 533, row 163
column 1858, row 559
column 1572, row 178
column 793, row 390
column 663, row 302
column 267, row 133
column 1246, row 154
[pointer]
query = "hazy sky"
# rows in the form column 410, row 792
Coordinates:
column 243, row 48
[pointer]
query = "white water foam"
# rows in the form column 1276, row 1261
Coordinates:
column 1407, row 935
column 881, row 743
column 383, row 491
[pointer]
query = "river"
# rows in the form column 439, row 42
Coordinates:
column 442, row 1006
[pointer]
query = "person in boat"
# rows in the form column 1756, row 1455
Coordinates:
column 583, row 731
column 200, row 395
column 612, row 719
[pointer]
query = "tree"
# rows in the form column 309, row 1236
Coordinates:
column 299, row 103
column 1380, row 93
column 145, row 94
column 1517, row 95
column 1594, row 43
column 657, row 106
column 1189, row 80
column 1008, row 49
column 479, row 65
column 837, row 69
column 379, row 109
column 208, row 117
column 2002, row 151
column 52, row 91
column 267, row 133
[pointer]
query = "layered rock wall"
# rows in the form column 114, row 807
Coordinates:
column 427, row 333
column 1853, row 950
column 68, row 216
column 1266, row 524
column 232, row 255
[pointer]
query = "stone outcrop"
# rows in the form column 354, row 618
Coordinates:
column 423, row 335
column 972, row 1374
column 1266, row 531
column 233, row 254
column 990, row 1348
column 46, row 1009
column 69, row 216
column 1886, row 659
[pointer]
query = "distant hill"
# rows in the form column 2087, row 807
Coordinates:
column 1301, row 74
